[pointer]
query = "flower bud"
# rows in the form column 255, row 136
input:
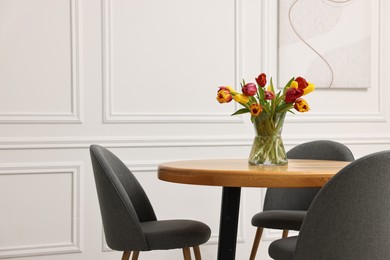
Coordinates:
column 292, row 94
column 261, row 80
column 301, row 105
column 240, row 98
column 302, row 83
column 255, row 109
column 269, row 95
column 249, row 89
column 224, row 95
column 310, row 88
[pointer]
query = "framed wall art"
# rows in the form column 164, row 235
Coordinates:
column 332, row 42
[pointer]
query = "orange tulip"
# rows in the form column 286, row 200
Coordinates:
column 255, row 109
column 224, row 95
column 301, row 105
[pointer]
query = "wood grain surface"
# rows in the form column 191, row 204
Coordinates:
column 238, row 173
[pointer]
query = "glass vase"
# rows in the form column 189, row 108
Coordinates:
column 268, row 148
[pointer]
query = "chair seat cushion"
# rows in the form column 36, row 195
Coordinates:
column 283, row 249
column 170, row 234
column 279, row 219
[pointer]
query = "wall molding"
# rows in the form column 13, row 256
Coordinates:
column 122, row 142
column 74, row 116
column 75, row 243
column 313, row 117
column 181, row 141
column 110, row 117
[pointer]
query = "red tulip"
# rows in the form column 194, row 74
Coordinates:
column 292, row 94
column 261, row 80
column 302, row 83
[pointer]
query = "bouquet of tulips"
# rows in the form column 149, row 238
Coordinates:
column 268, row 110
column 256, row 98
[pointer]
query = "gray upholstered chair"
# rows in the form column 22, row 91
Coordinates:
column 349, row 219
column 285, row 208
column 130, row 224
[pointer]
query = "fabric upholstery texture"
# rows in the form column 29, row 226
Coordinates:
column 167, row 234
column 129, row 220
column 284, row 249
column 276, row 219
column 350, row 217
column 287, row 204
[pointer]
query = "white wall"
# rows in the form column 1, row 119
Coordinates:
column 140, row 77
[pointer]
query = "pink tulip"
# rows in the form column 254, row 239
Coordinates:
column 249, row 89
column 269, row 95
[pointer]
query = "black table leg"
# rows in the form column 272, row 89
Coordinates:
column 229, row 222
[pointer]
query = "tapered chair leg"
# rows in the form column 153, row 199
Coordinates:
column 135, row 255
column 256, row 243
column 126, row 255
column 197, row 253
column 187, row 253
column 285, row 233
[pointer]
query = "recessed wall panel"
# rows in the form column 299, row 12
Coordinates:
column 164, row 61
column 38, row 61
column 40, row 210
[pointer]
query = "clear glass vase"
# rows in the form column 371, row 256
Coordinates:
column 268, row 148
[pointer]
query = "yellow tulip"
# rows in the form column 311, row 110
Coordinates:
column 294, row 84
column 240, row 98
column 308, row 89
column 231, row 89
column 301, row 105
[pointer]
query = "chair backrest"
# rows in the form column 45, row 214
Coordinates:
column 123, row 202
column 300, row 198
column 350, row 217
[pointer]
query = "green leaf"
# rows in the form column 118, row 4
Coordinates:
column 288, row 85
column 272, row 85
column 284, row 107
column 241, row 111
column 252, row 100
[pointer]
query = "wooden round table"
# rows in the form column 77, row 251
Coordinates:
column 232, row 174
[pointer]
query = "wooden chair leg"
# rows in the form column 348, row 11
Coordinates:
column 197, row 253
column 256, row 243
column 135, row 255
column 187, row 253
column 285, row 233
column 126, row 255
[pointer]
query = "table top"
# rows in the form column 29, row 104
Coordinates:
column 238, row 173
